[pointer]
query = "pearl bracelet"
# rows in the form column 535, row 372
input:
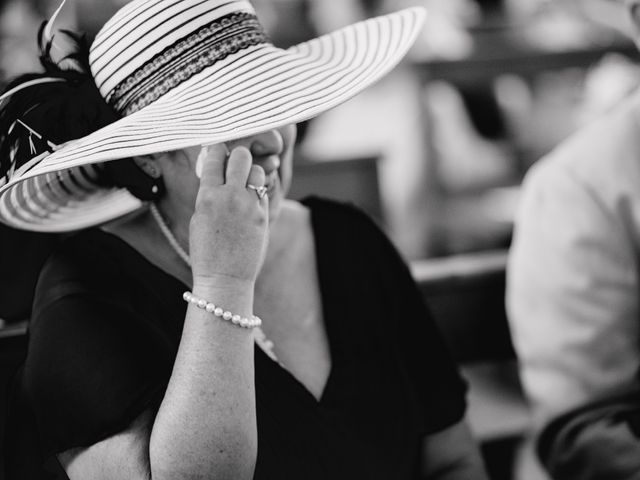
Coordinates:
column 237, row 320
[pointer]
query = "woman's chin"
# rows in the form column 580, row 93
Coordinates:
column 275, row 206
column 276, row 198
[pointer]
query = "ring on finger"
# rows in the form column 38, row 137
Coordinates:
column 260, row 191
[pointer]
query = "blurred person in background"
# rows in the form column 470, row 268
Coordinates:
column 434, row 136
column 388, row 120
column 384, row 122
column 573, row 297
column 129, row 376
column 18, row 51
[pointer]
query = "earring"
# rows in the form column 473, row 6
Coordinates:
column 154, row 181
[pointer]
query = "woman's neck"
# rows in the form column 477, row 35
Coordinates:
column 143, row 233
column 282, row 237
column 177, row 218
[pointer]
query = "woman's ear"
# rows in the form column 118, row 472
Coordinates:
column 149, row 165
column 142, row 176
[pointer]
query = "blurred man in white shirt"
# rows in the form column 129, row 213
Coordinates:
column 573, row 277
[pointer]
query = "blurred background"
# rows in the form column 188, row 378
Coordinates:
column 435, row 151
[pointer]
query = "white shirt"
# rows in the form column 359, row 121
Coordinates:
column 572, row 278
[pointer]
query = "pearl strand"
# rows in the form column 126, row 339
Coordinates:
column 244, row 322
column 168, row 234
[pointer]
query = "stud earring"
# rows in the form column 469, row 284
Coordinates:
column 151, row 170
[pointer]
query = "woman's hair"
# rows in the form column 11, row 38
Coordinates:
column 60, row 111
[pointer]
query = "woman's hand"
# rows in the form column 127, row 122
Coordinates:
column 229, row 228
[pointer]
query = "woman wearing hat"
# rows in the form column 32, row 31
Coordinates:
column 197, row 324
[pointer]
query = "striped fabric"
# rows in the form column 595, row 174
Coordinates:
column 256, row 88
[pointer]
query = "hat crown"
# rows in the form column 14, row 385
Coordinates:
column 151, row 46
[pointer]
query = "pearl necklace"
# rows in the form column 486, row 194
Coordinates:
column 260, row 338
column 168, row 234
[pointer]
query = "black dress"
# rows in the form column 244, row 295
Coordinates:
column 107, row 325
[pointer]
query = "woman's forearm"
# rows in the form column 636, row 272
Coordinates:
column 206, row 424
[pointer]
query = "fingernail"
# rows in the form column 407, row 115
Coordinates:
column 218, row 150
column 243, row 149
column 218, row 145
column 200, row 160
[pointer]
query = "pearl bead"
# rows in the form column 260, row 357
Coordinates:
column 243, row 322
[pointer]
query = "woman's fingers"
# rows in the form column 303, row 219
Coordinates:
column 228, row 231
column 216, row 170
column 210, row 164
column 238, row 166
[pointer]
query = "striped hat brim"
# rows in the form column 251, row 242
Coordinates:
column 260, row 88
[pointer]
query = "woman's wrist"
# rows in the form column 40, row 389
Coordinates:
column 221, row 282
column 229, row 293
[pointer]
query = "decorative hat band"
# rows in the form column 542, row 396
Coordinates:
column 185, row 58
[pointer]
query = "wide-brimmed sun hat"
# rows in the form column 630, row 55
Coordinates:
column 184, row 73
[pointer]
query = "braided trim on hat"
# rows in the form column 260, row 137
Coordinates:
column 186, row 58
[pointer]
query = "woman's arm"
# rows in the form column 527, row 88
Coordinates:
column 206, row 424
column 452, row 454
